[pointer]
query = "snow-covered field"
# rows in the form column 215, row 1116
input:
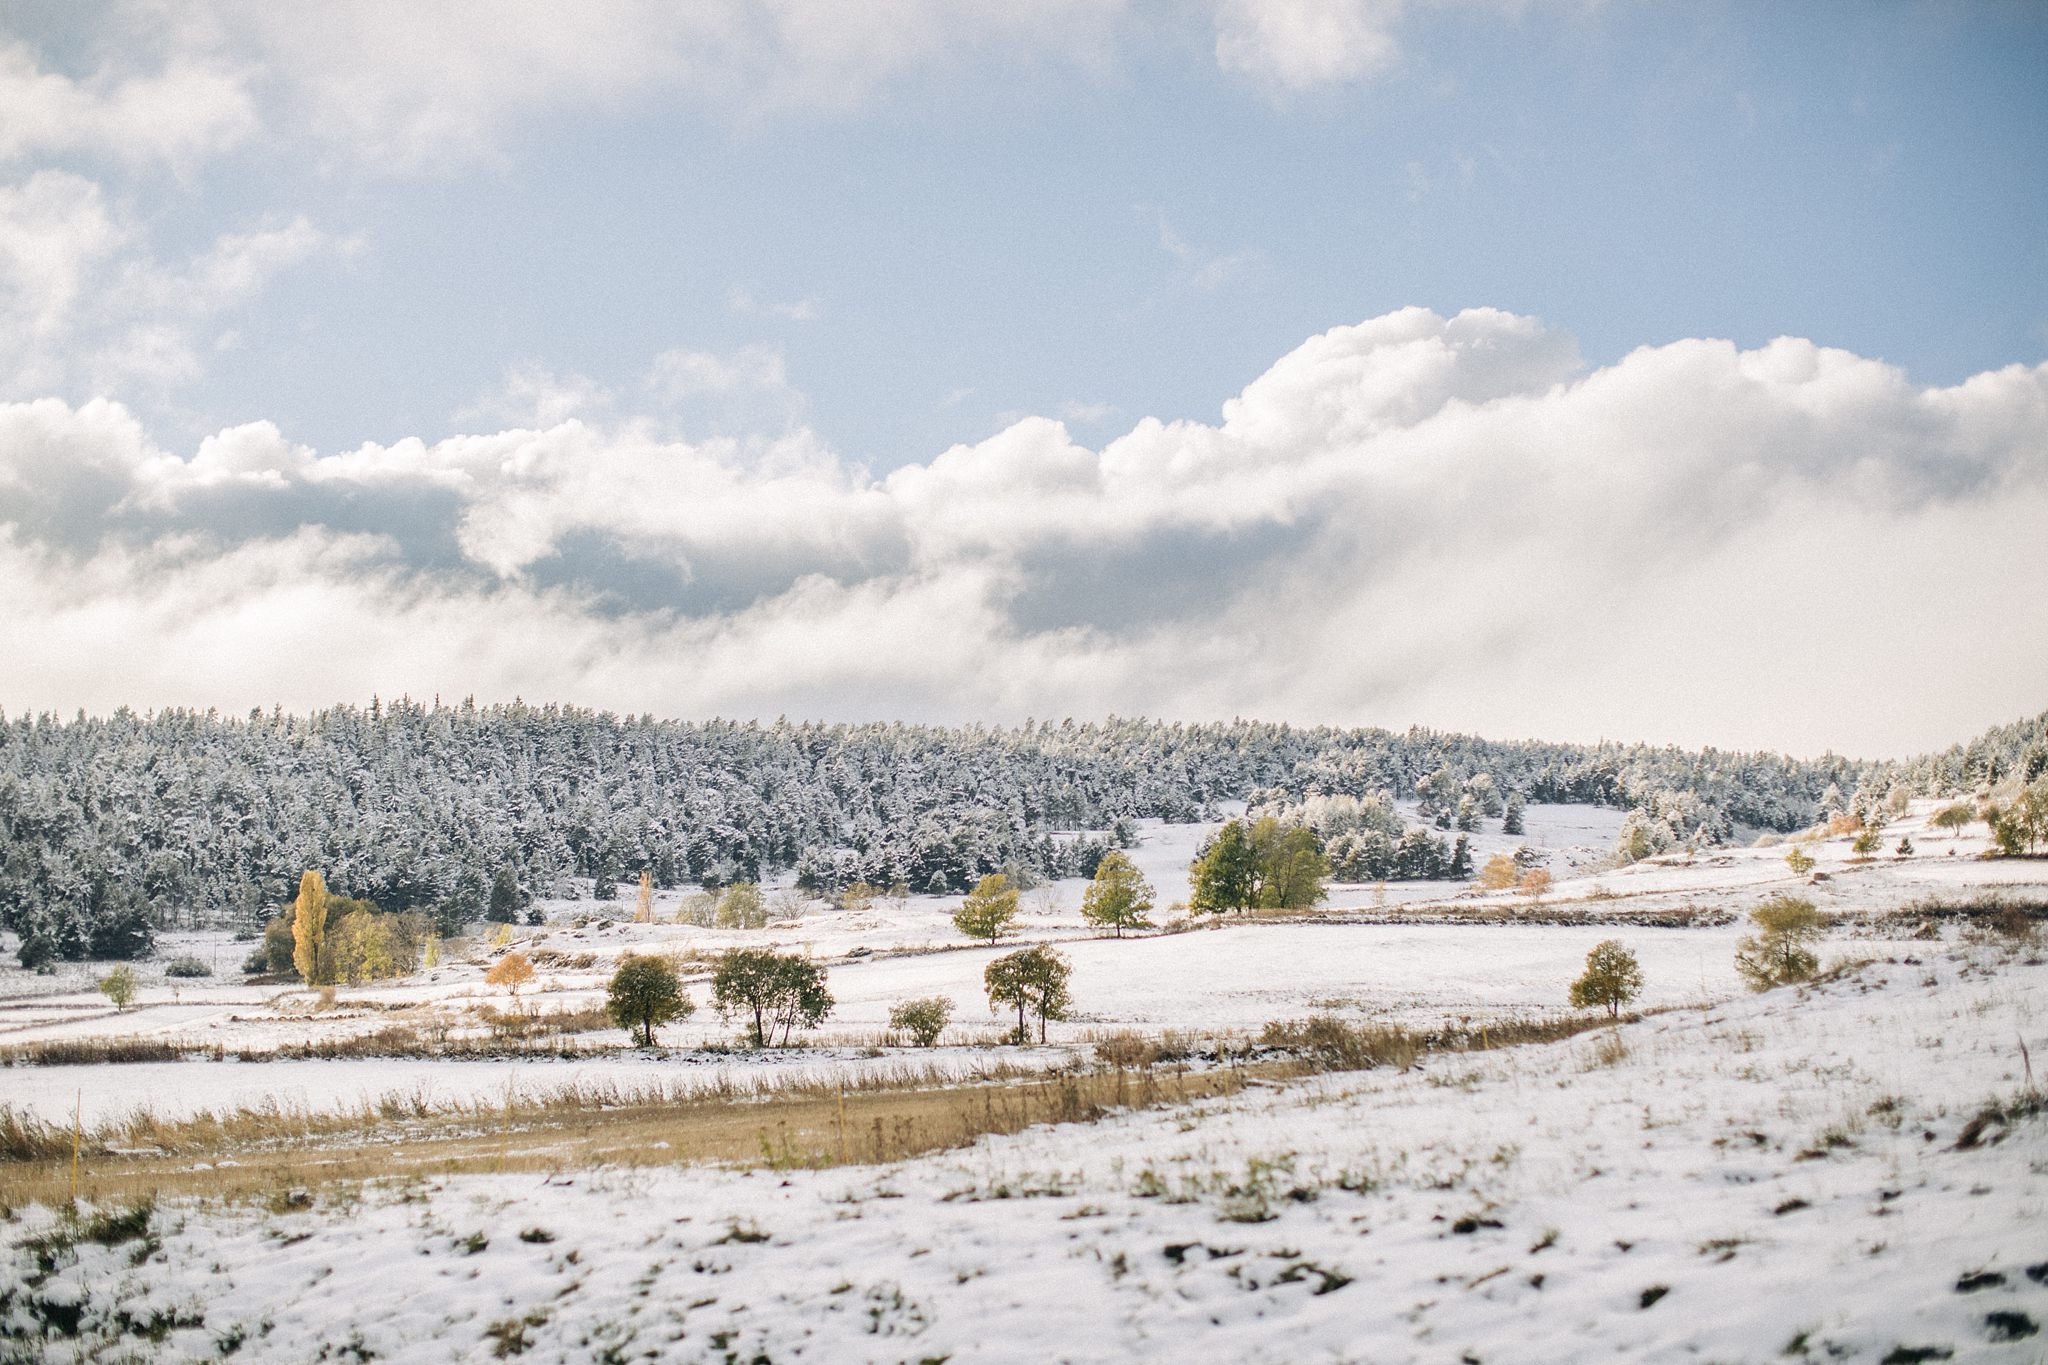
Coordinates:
column 1782, row 1173
column 1740, row 1176
column 1355, row 958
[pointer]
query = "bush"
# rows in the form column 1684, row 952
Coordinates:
column 1800, row 861
column 187, row 967
column 1778, row 953
column 924, row 1020
column 1613, row 978
column 119, row 986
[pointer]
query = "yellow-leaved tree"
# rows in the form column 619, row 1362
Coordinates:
column 309, row 926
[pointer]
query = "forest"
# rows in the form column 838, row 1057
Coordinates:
column 114, row 827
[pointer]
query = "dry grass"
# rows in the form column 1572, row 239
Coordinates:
column 784, row 1123
column 805, row 1124
column 101, row 1052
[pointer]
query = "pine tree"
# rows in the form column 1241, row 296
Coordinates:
column 1512, row 821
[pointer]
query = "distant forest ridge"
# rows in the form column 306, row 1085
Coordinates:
column 110, row 826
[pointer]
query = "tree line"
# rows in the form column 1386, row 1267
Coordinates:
column 113, row 827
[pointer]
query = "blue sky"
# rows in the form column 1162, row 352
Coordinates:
column 807, row 235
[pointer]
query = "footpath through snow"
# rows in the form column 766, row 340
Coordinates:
column 1804, row 1172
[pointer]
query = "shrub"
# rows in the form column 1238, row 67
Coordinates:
column 119, row 986
column 1800, row 861
column 1778, row 953
column 741, row 907
column 1613, row 977
column 645, row 994
column 1499, row 873
column 924, row 1020
column 186, row 967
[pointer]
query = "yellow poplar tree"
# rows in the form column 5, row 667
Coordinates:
column 309, row 925
column 644, row 912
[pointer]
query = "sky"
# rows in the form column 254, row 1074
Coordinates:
column 1530, row 367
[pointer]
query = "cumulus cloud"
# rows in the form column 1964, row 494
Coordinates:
column 1445, row 520
column 84, row 303
column 177, row 116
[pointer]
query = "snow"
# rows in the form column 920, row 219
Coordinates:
column 1781, row 1168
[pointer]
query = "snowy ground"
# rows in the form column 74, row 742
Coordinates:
column 1355, row 958
column 1781, row 1173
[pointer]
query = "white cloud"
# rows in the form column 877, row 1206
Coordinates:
column 408, row 86
column 679, row 373
column 1294, row 45
column 1417, row 519
column 531, row 396
column 83, row 303
column 177, row 116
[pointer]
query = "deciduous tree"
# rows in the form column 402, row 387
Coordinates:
column 1779, row 952
column 1613, row 978
column 771, row 990
column 309, row 927
column 645, row 993
column 1119, row 897
column 1034, row 981
column 989, row 909
column 511, row 971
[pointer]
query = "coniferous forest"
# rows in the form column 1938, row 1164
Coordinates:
column 112, row 828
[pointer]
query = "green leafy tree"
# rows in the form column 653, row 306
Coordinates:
column 989, row 910
column 772, row 991
column 645, row 993
column 1800, row 861
column 1613, row 977
column 1291, row 870
column 118, row 986
column 1225, row 872
column 1119, row 898
column 924, row 1020
column 1780, row 951
column 1034, row 981
column 1868, row 840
